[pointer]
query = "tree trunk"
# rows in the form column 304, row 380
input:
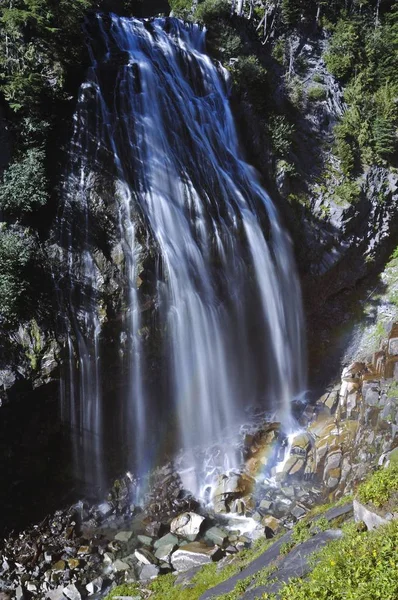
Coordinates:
column 377, row 19
column 239, row 9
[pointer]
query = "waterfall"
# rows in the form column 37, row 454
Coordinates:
column 153, row 118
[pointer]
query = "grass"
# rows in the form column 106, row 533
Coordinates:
column 316, row 93
column 380, row 487
column 393, row 390
column 359, row 566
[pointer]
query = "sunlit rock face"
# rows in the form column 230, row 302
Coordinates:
column 179, row 297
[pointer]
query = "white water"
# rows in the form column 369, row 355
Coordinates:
column 228, row 296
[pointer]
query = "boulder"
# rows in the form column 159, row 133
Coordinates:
column 124, row 536
column 95, row 586
column 148, row 572
column 119, row 566
column 368, row 515
column 272, row 526
column 145, row 557
column 72, row 593
column 167, row 539
column 145, row 540
column 393, row 346
column 187, row 525
column 164, row 552
column 194, row 554
column 216, row 536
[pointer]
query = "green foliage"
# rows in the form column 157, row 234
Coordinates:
column 33, row 34
column 17, row 249
column 380, row 487
column 296, row 12
column 345, row 49
column 181, row 8
column 295, row 92
column 250, row 80
column 360, row 566
column 286, row 548
column 281, row 133
column 385, row 137
column 322, row 524
column 25, row 186
column 279, row 50
column 301, row 532
column 347, row 192
column 316, row 93
column 393, row 389
column 365, row 57
column 212, row 10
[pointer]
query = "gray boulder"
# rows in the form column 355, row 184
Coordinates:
column 194, row 555
column 187, row 525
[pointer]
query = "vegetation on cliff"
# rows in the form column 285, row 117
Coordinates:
column 42, row 54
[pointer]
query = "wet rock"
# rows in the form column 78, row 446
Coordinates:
column 144, row 556
column 194, row 555
column 216, row 536
column 298, row 511
column 145, row 540
column 59, row 566
column 95, row 586
column 184, row 578
column 120, row 566
column 148, row 572
column 71, row 592
column 124, row 536
column 265, row 506
column 167, row 539
column 164, row 552
column 167, row 498
column 187, row 525
column 56, row 594
column 294, row 466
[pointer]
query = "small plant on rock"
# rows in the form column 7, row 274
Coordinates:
column 380, row 487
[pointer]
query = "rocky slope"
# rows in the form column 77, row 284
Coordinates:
column 86, row 550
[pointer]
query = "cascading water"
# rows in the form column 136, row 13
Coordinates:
column 154, row 114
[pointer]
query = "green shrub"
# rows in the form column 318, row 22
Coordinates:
column 316, row 93
column 380, row 487
column 39, row 37
column 278, row 50
column 295, row 92
column 17, row 249
column 212, row 10
column 281, row 132
column 25, row 186
column 360, row 566
column 348, row 191
column 181, row 8
column 250, row 80
column 345, row 49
